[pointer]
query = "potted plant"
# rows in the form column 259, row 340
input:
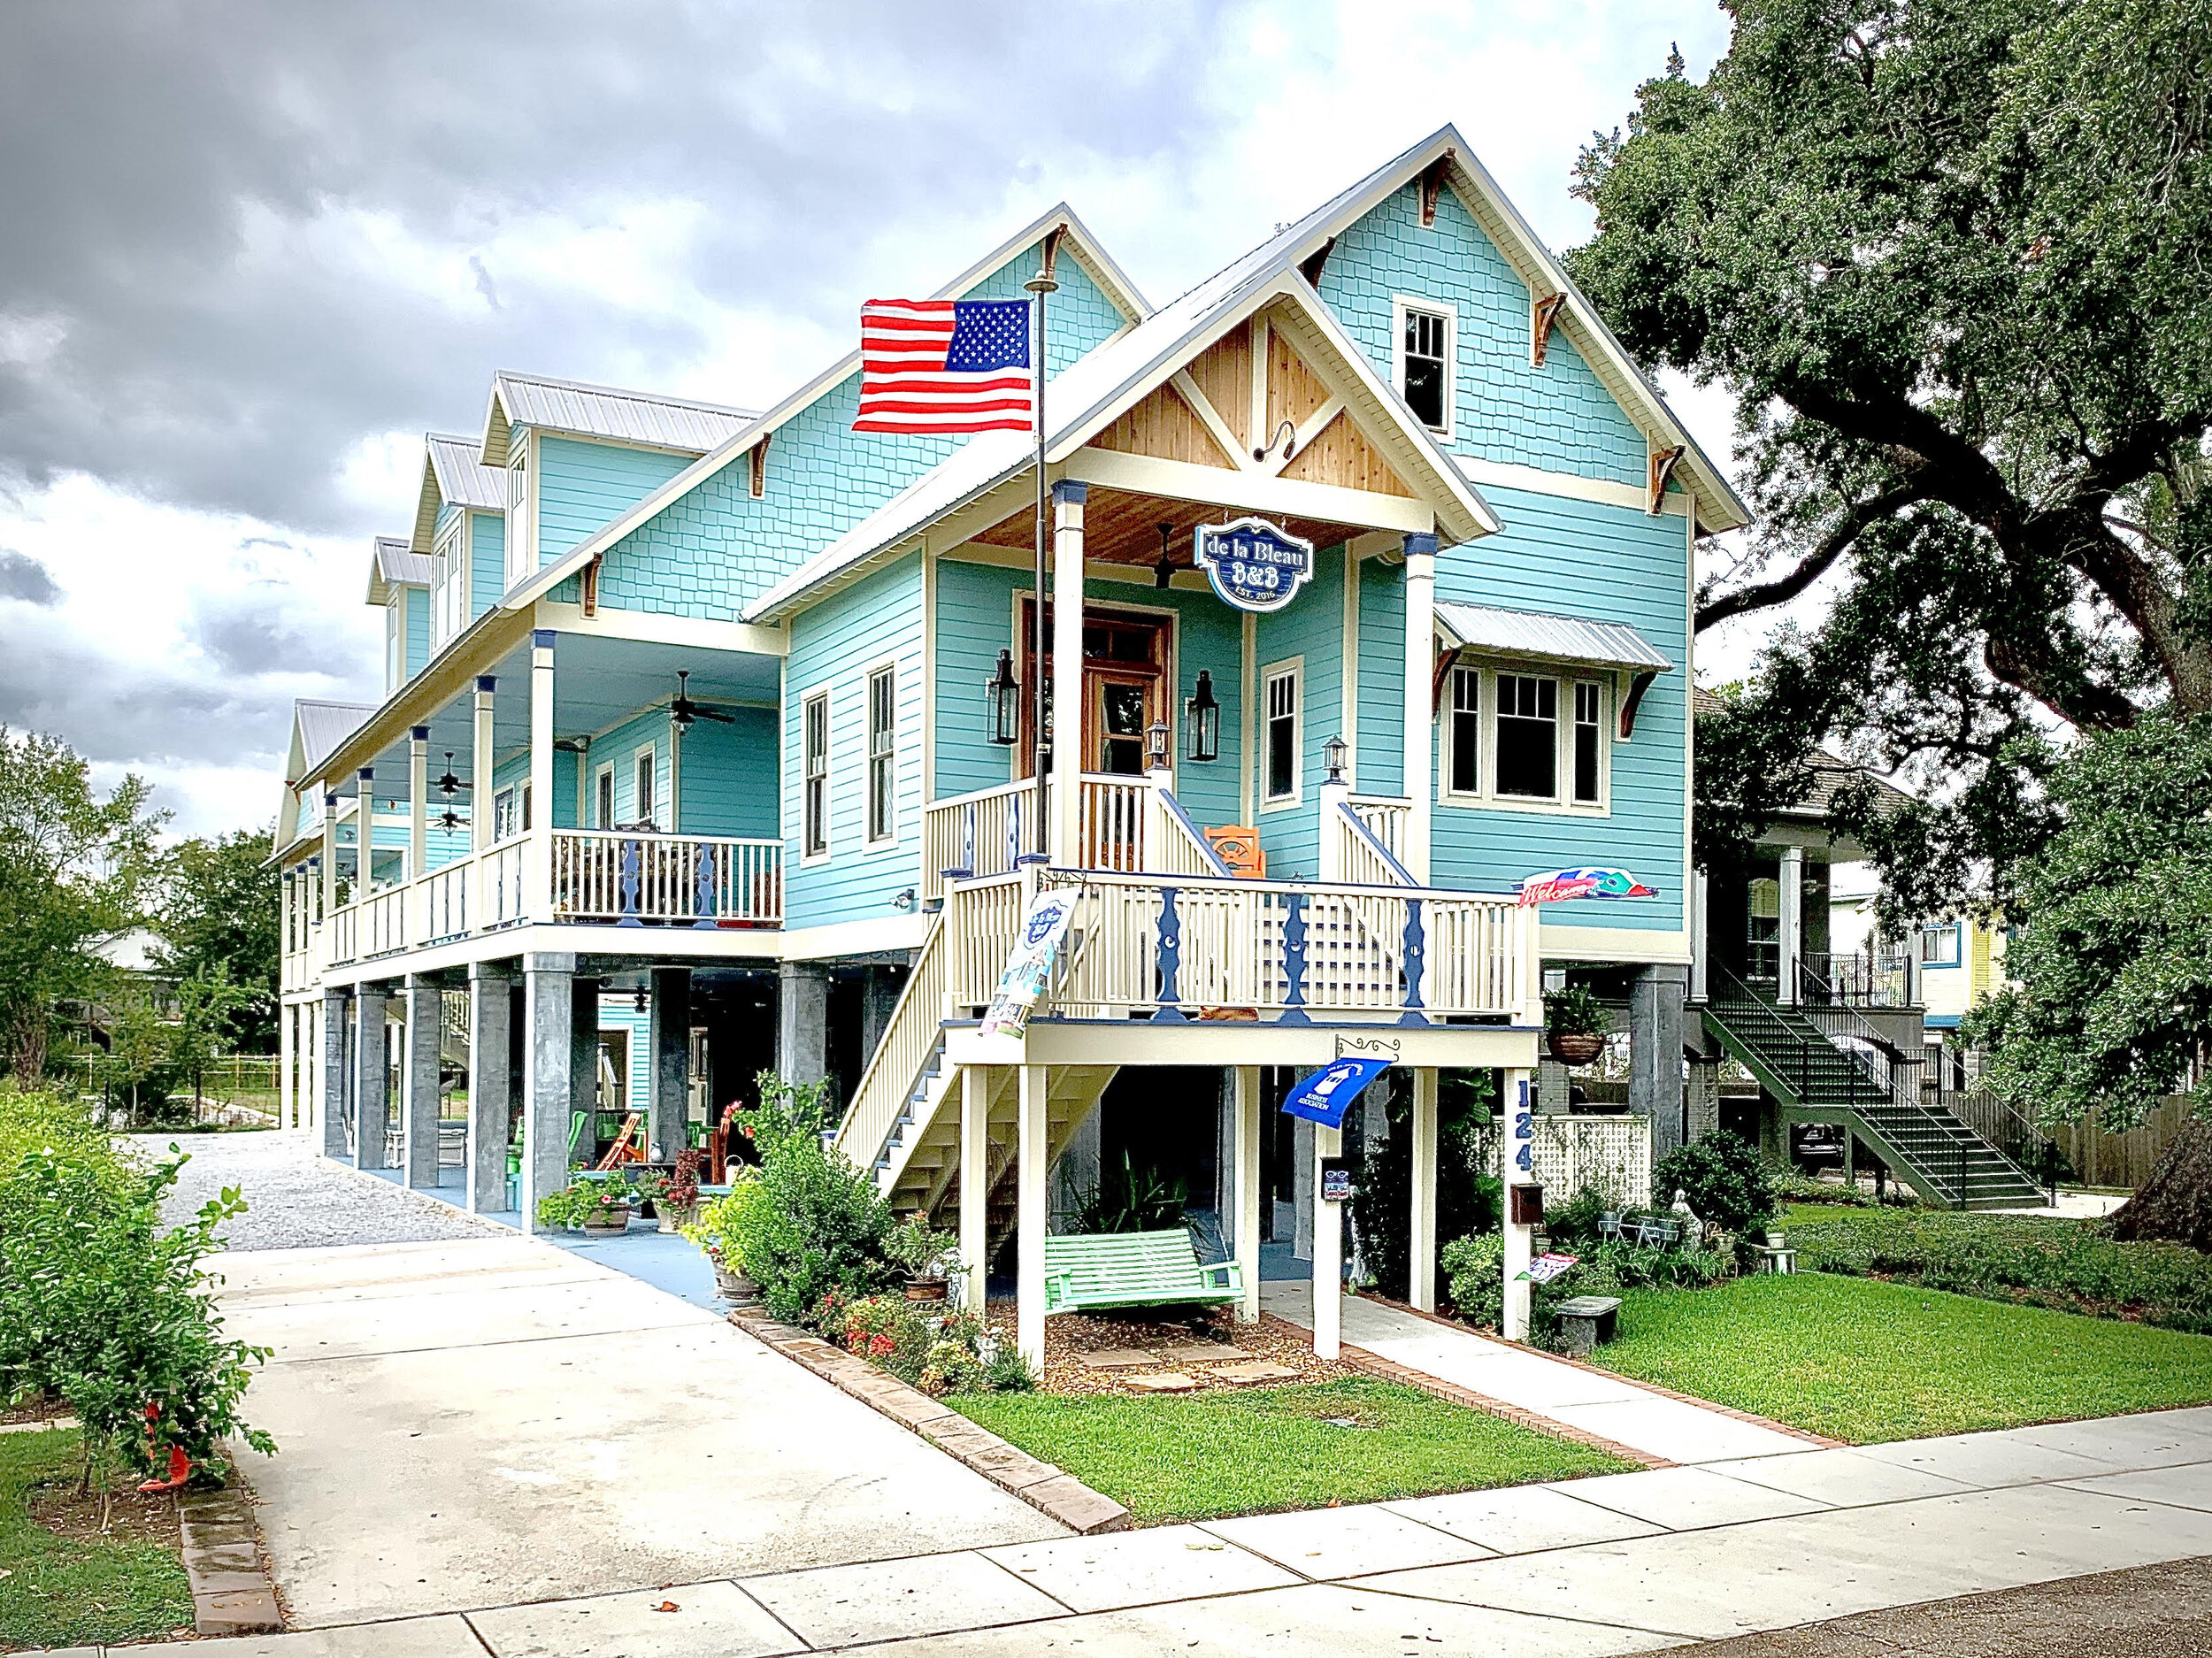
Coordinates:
column 1575, row 1025
column 721, row 1229
column 676, row 1196
column 927, row 1257
column 599, row 1207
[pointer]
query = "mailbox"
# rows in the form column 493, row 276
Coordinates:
column 1527, row 1205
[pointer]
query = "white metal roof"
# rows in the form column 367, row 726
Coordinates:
column 1554, row 638
column 608, row 411
column 463, row 478
column 321, row 727
column 392, row 564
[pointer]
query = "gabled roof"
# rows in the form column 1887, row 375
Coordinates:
column 603, row 411
column 1830, row 773
column 453, row 470
column 392, row 564
column 317, row 728
column 1717, row 505
column 1555, row 638
column 1076, row 243
column 1089, row 394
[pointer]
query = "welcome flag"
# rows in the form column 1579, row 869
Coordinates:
column 945, row 366
column 1328, row 1093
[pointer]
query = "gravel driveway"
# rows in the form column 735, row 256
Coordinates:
column 299, row 1200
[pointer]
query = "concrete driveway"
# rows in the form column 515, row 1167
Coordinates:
column 484, row 1422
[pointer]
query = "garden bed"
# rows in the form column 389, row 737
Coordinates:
column 1207, row 1350
column 1852, row 1358
column 65, row 1580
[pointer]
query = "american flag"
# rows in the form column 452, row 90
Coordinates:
column 945, row 366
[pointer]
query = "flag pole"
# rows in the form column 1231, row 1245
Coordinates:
column 1041, row 284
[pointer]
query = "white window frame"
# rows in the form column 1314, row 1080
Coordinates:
column 888, row 758
column 521, row 487
column 602, row 796
column 1497, row 712
column 506, row 814
column 394, row 641
column 1561, row 803
column 1400, row 305
column 1571, row 747
column 1465, row 675
column 1294, row 669
column 449, row 602
column 808, row 819
column 645, row 777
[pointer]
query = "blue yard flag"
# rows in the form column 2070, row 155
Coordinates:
column 1324, row 1096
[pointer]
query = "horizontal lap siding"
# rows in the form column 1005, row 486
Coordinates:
column 1311, row 628
column 514, row 771
column 730, row 774
column 637, row 1031
column 1604, row 564
column 487, row 561
column 713, row 550
column 583, row 487
column 619, row 749
column 1378, row 757
column 835, row 645
column 975, row 621
column 1559, row 418
column 418, row 630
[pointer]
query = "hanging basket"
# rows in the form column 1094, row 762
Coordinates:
column 1575, row 1048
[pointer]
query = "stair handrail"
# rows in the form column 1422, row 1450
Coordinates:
column 902, row 1053
column 1875, row 1053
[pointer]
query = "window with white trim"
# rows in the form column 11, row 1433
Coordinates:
column 1279, row 747
column 1463, row 736
column 1425, row 354
column 1588, row 742
column 1526, row 755
column 602, row 799
column 644, row 796
column 518, row 559
column 814, row 776
column 448, row 591
column 883, row 732
column 394, row 641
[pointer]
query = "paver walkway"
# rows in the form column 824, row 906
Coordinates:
column 1612, row 1408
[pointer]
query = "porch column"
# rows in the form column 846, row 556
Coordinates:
column 1067, row 672
column 483, row 756
column 1420, row 703
column 549, row 1030
column 1029, row 1214
column 1654, row 1055
column 1247, row 1176
column 1791, row 926
column 671, row 1046
column 331, row 1073
column 327, row 882
column 491, row 1085
column 537, row 892
column 1519, row 1239
column 801, row 1021
column 419, row 1079
column 975, row 1176
column 1700, row 943
column 1328, row 1251
column 370, row 1105
column 417, row 804
column 1421, row 1254
column 288, row 1046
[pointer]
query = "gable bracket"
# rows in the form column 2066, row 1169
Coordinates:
column 1432, row 178
column 1663, row 464
column 1445, row 661
column 1542, row 314
column 759, row 486
column 1638, row 685
column 589, row 579
column 1310, row 267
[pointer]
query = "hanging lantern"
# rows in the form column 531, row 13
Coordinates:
column 1004, row 694
column 1156, row 746
column 1202, row 721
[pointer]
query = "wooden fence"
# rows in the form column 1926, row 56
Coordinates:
column 2102, row 1158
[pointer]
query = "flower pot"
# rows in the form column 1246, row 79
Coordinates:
column 1776, row 1241
column 925, row 1289
column 673, row 1219
column 736, row 1287
column 1575, row 1048
column 608, row 1223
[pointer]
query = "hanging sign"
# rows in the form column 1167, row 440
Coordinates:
column 1030, row 964
column 1252, row 563
column 1324, row 1096
column 1554, row 885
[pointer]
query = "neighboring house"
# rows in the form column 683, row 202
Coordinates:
column 729, row 711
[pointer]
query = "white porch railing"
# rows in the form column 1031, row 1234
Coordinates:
column 384, row 922
column 1360, row 857
column 499, row 873
column 1386, row 816
column 445, row 902
column 980, row 834
column 1132, row 824
column 608, row 875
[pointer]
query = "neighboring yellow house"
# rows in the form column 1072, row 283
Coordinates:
column 1960, row 962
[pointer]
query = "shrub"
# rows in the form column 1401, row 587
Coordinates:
column 1006, row 1371
column 1575, row 1221
column 581, row 1203
column 1790, row 1185
column 822, row 1226
column 726, row 1229
column 1723, row 1178
column 1474, row 1268
column 920, row 1250
column 951, row 1366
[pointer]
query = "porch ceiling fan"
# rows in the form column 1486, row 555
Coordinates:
column 450, row 785
column 684, row 712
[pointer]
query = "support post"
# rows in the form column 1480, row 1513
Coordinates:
column 1420, row 700
column 1335, row 793
column 1029, row 1214
column 1655, row 1054
column 482, row 753
column 1328, row 1251
column 1520, row 1132
column 1700, row 936
column 418, row 810
column 583, row 1059
column 671, row 1047
column 549, row 1025
column 491, row 1087
column 1422, row 1253
column 331, row 1074
column 287, row 1045
column 1067, row 672
column 419, row 1080
column 372, row 1103
column 975, row 1176
column 1792, row 924
column 1247, row 1175
column 802, row 1021
column 537, row 892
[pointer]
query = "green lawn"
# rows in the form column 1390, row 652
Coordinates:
column 1203, row 1455
column 56, row 1591
column 1861, row 1360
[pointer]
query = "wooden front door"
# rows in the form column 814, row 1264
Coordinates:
column 1124, row 687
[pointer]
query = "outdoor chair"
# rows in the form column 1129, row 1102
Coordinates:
column 1239, row 846
column 1134, row 1269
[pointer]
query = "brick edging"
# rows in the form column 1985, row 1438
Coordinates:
column 1748, row 1417
column 1054, row 1491
column 232, row 1592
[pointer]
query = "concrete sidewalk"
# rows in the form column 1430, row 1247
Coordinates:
column 1667, row 1429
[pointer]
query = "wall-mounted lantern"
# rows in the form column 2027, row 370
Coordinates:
column 1335, row 753
column 1003, row 693
column 1202, row 721
column 1156, row 746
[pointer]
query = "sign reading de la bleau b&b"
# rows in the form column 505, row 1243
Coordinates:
column 1253, row 565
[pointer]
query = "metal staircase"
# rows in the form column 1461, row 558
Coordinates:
column 1824, row 1062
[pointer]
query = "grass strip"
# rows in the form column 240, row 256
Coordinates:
column 1201, row 1456
column 57, row 1591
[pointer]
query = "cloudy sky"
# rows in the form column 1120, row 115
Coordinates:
column 252, row 252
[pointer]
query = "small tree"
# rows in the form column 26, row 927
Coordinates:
column 208, row 1001
column 215, row 907
column 139, row 1039
column 823, row 1226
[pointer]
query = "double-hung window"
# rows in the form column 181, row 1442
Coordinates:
column 449, row 595
column 1464, row 735
column 1281, row 745
column 1424, row 356
column 643, row 796
column 1527, row 758
column 602, row 799
column 395, row 640
column 519, row 561
column 814, row 776
column 883, row 732
column 1588, row 747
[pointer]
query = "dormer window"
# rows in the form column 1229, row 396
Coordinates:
column 449, row 580
column 395, row 640
column 521, row 554
column 1425, row 350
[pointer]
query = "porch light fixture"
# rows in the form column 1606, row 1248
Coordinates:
column 1164, row 572
column 641, row 1004
column 1156, row 746
column 1004, row 693
column 1334, row 753
column 1202, row 721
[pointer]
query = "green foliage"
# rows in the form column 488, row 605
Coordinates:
column 1007, row 1372
column 585, row 1203
column 938, row 1352
column 1947, row 256
column 57, row 1591
column 2059, row 1264
column 1575, row 1221
column 104, row 1306
column 74, row 870
column 1469, row 1196
column 920, row 1250
column 1129, row 1199
column 1723, row 1178
column 1792, row 1185
column 730, row 1229
column 1575, row 1011
column 2110, row 998
column 216, row 910
column 1474, row 1270
column 822, row 1226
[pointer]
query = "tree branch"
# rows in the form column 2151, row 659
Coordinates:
column 1782, row 589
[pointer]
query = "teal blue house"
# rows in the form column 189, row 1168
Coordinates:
column 729, row 719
